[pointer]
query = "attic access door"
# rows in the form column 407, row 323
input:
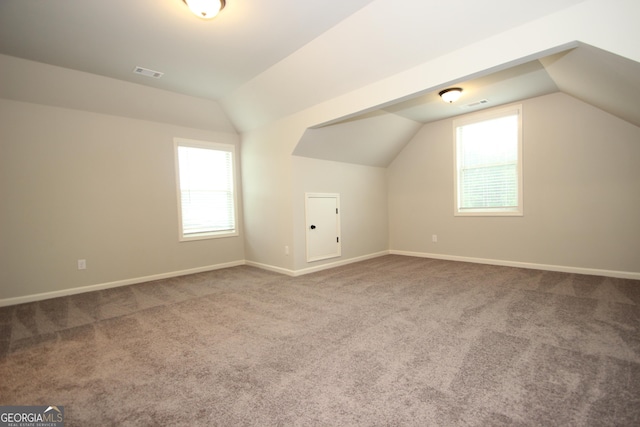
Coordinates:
column 322, row 211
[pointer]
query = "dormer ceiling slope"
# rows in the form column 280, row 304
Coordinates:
column 597, row 77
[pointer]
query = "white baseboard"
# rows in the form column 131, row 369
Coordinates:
column 272, row 268
column 342, row 262
column 294, row 273
column 534, row 266
column 302, row 272
column 72, row 291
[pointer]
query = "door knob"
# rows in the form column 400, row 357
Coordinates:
column 313, row 227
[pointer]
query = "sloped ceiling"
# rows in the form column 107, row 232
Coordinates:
column 513, row 84
column 378, row 41
column 202, row 58
column 261, row 61
column 600, row 78
column 605, row 80
column 372, row 139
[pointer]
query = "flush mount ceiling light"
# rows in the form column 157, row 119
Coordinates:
column 451, row 95
column 206, row 9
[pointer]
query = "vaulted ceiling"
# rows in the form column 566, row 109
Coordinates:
column 203, row 58
column 374, row 138
column 264, row 60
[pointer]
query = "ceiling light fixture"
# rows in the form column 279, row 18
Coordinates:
column 206, row 9
column 450, row 95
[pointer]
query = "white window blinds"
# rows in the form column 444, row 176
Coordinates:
column 488, row 155
column 206, row 189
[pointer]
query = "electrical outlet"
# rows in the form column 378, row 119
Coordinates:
column 286, row 250
column 82, row 264
column 434, row 238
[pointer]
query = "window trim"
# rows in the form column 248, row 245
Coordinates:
column 480, row 117
column 184, row 142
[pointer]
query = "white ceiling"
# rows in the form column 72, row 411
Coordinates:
column 264, row 60
column 604, row 80
column 375, row 138
column 513, row 84
column 203, row 58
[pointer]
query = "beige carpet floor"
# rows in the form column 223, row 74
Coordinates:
column 392, row 341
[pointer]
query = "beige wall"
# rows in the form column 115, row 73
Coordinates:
column 82, row 185
column 581, row 193
column 363, row 206
column 266, row 178
column 75, row 172
column 271, row 210
column 274, row 186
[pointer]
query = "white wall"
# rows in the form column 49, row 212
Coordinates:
column 581, row 193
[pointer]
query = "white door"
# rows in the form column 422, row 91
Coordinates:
column 323, row 226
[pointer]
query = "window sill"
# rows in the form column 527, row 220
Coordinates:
column 489, row 213
column 206, row 236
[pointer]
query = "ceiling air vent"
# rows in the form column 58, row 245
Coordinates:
column 475, row 104
column 147, row 72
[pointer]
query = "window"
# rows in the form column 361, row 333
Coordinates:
column 488, row 156
column 205, row 174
